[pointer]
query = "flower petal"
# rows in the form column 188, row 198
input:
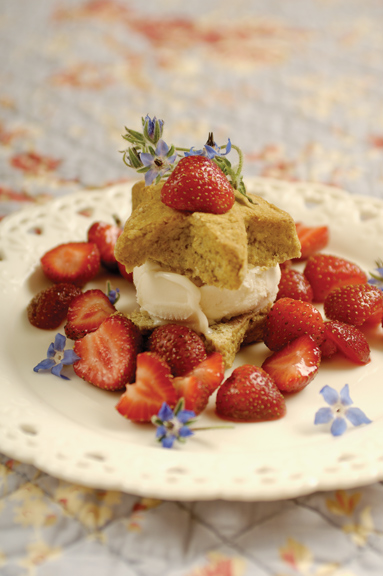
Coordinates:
column 56, row 371
column 330, row 395
column 323, row 415
column 160, row 432
column 168, row 441
column 162, row 148
column 356, row 416
column 339, row 426
column 345, row 398
column 51, row 350
column 45, row 364
column 185, row 431
column 166, row 413
column 146, row 158
column 150, row 176
column 185, row 415
column 60, row 342
column 70, row 357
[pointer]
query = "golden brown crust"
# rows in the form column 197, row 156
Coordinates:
column 214, row 249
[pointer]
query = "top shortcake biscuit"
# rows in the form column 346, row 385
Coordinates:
column 213, row 249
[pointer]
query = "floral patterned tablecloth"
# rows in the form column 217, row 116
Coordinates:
column 299, row 86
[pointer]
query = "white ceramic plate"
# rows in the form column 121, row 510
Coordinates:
column 71, row 430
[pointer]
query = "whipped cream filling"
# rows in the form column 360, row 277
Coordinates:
column 167, row 296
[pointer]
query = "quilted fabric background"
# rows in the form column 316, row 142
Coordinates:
column 299, row 86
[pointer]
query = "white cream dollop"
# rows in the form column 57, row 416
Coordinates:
column 168, row 296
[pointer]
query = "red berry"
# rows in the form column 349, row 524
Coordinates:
column 355, row 304
column 293, row 284
column 105, row 236
column 250, row 395
column 108, row 355
column 349, row 341
column 197, row 184
column 288, row 319
column 326, row 272
column 312, row 239
column 179, row 346
column 295, row 366
column 198, row 384
column 152, row 386
column 74, row 262
column 49, row 308
column 87, row 312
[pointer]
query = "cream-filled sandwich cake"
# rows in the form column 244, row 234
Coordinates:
column 203, row 253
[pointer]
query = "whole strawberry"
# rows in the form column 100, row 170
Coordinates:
column 293, row 284
column 179, row 346
column 197, row 184
column 48, row 309
column 249, row 395
column 326, row 272
column 355, row 304
column 288, row 319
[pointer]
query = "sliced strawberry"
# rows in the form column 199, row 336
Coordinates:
column 288, row 319
column 326, row 272
column 86, row 312
column 293, row 284
column 210, row 372
column 179, row 346
column 153, row 386
column 312, row 239
column 198, row 384
column 349, row 340
column 197, row 184
column 250, row 395
column 74, row 262
column 295, row 366
column 194, row 392
column 48, row 309
column 108, row 355
column 328, row 348
column 355, row 304
column 105, row 235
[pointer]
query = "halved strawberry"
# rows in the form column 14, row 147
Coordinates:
column 105, row 235
column 250, row 395
column 153, row 386
column 349, row 341
column 198, row 384
column 197, row 184
column 48, row 308
column 326, row 272
column 288, row 319
column 73, row 262
column 108, row 355
column 86, row 312
column 312, row 239
column 127, row 275
column 355, row 304
column 179, row 346
column 193, row 391
column 295, row 366
column 293, row 284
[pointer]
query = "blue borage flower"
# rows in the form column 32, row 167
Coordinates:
column 174, row 424
column 57, row 358
column 377, row 275
column 339, row 410
column 211, row 149
column 112, row 294
column 157, row 162
column 152, row 129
